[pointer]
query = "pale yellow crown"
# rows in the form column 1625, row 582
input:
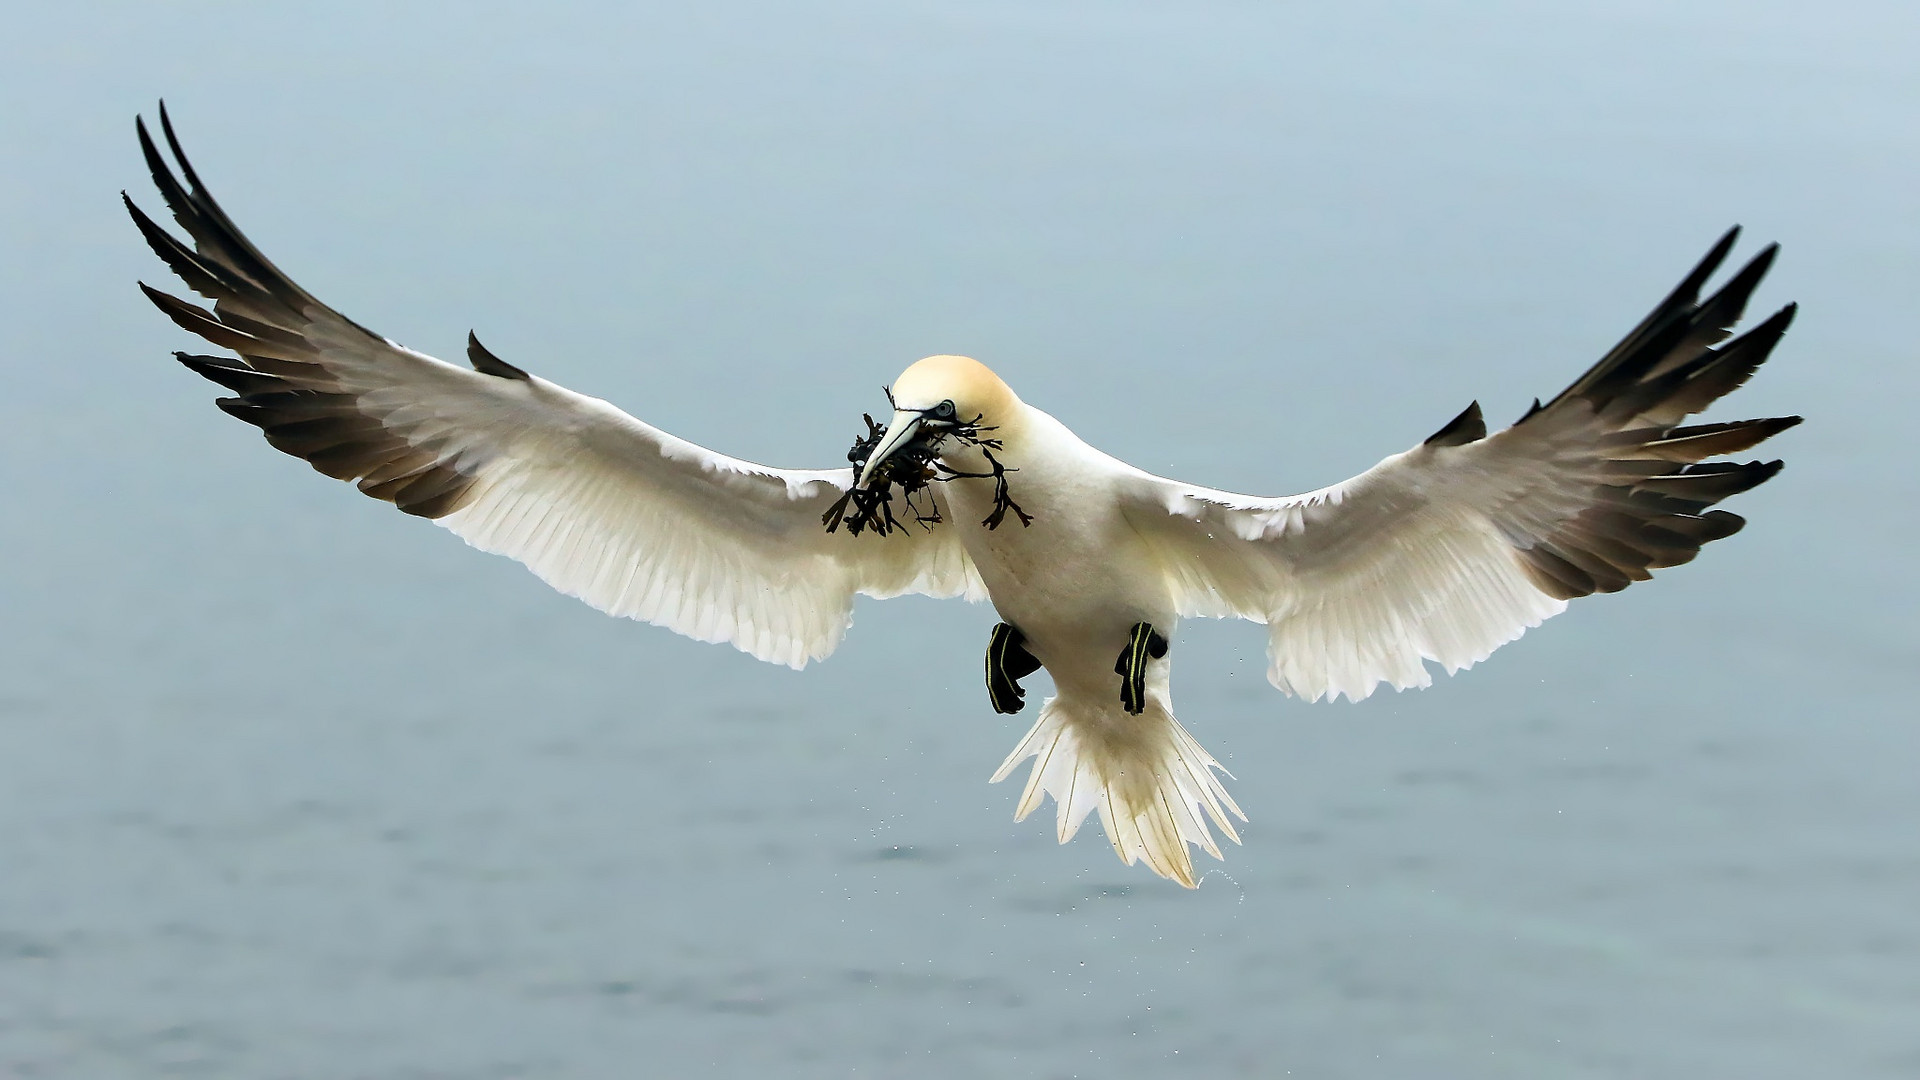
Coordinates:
column 972, row 387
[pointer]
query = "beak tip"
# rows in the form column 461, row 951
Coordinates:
column 904, row 427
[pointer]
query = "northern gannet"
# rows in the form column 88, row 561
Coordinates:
column 1441, row 553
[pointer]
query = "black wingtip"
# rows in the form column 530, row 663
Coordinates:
column 1720, row 524
column 179, row 155
column 1469, row 426
column 140, row 121
column 1725, row 307
column 486, row 363
column 1689, row 287
column 235, row 375
column 1711, row 261
column 1758, row 266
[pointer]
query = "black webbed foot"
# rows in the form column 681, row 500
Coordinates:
column 1008, row 662
column 1143, row 643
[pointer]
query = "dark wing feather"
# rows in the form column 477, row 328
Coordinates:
column 599, row 504
column 1449, row 550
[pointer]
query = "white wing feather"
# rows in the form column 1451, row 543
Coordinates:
column 1458, row 546
column 1358, row 583
column 600, row 505
column 640, row 524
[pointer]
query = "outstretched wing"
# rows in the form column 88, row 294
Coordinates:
column 1456, row 547
column 602, row 506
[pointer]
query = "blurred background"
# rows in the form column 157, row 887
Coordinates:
column 294, row 786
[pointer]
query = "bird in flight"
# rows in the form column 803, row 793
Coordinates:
column 1441, row 553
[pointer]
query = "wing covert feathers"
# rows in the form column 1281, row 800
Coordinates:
column 1457, row 546
column 598, row 504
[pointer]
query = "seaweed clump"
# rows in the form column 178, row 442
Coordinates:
column 914, row 468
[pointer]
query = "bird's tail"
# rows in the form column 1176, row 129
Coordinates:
column 1148, row 778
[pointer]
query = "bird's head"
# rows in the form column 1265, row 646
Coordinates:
column 939, row 397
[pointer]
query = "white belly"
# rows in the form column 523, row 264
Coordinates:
column 1073, row 582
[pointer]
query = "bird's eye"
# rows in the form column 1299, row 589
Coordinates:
column 942, row 411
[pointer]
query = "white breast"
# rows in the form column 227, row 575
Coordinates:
column 1078, row 577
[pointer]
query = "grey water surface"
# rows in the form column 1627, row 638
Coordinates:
column 294, row 786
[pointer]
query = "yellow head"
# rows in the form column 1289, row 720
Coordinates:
column 940, row 393
column 972, row 388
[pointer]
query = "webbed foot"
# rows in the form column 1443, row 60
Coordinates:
column 1143, row 643
column 1008, row 662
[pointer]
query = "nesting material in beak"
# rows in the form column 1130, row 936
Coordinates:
column 905, row 427
column 906, row 453
column 901, row 453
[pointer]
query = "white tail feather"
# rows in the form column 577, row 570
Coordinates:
column 1146, row 776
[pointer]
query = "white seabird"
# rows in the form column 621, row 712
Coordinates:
column 1441, row 553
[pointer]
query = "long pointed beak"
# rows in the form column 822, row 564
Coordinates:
column 900, row 431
